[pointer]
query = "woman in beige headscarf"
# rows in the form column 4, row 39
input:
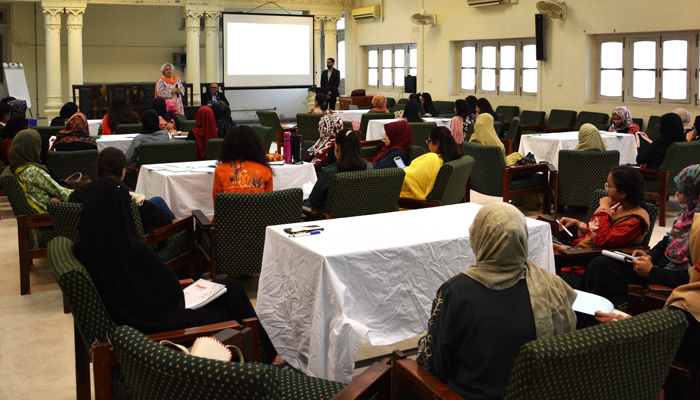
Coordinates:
column 686, row 117
column 485, row 135
column 481, row 317
column 589, row 139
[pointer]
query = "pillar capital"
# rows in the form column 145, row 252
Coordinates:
column 331, row 24
column 52, row 19
column 317, row 24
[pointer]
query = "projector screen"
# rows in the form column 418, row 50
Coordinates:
column 268, row 51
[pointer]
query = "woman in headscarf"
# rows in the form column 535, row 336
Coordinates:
column 421, row 174
column 33, row 177
column 169, row 87
column 686, row 117
column 151, row 132
column 481, row 317
column 222, row 115
column 622, row 121
column 666, row 264
column 66, row 112
column 12, row 128
column 695, row 133
column 464, row 117
column 171, row 107
column 321, row 154
column 75, row 136
column 485, row 134
column 204, row 129
column 378, row 104
column 672, row 131
column 167, row 121
column 397, row 141
column 119, row 113
column 589, row 139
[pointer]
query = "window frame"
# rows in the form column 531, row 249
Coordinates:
column 407, row 47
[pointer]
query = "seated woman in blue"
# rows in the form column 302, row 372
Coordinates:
column 397, row 141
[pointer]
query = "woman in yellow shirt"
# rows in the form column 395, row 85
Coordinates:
column 421, row 174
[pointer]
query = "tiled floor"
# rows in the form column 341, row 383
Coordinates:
column 36, row 338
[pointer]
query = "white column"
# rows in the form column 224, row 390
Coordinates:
column 211, row 27
column 192, row 28
column 317, row 49
column 330, row 29
column 52, row 26
column 74, row 25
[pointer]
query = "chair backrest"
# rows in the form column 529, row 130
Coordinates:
column 415, row 152
column 487, row 173
column 267, row 135
column 15, row 195
column 653, row 127
column 679, row 156
column 402, row 102
column 588, row 117
column 421, row 133
column 269, row 118
column 575, row 188
column 89, row 313
column 513, row 128
column 651, row 209
column 66, row 217
column 347, row 124
column 498, row 127
column 623, row 360
column 307, row 125
column 48, row 130
column 187, row 125
column 447, row 108
column 212, row 151
column 470, row 132
column 364, row 192
column 508, row 112
column 167, row 152
column 241, row 220
column 560, row 119
column 639, row 122
column 390, row 103
column 451, row 181
column 65, row 163
column 123, row 129
column 532, row 117
column 365, row 120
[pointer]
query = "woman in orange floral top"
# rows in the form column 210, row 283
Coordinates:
column 244, row 167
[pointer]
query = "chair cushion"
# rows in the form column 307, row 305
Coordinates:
column 296, row 386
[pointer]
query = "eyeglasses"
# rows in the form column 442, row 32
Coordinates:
column 608, row 188
column 428, row 141
column 213, row 87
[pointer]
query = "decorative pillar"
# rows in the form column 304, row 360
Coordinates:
column 74, row 25
column 211, row 27
column 330, row 29
column 192, row 28
column 52, row 26
column 317, row 50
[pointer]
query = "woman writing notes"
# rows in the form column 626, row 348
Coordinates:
column 169, row 87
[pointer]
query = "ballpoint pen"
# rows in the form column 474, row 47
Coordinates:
column 567, row 231
column 304, row 233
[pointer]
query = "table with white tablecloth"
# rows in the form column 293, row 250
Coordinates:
column 546, row 146
column 188, row 190
column 350, row 115
column 372, row 277
column 375, row 127
column 121, row 142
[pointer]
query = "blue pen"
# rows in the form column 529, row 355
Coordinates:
column 305, row 233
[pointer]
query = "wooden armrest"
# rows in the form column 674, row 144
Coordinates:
column 506, row 126
column 182, row 335
column 661, row 289
column 157, row 235
column 313, row 214
column 555, row 130
column 552, row 168
column 201, row 220
column 682, row 369
column 414, row 203
column 186, row 282
column 372, row 380
column 425, row 384
column 597, row 251
column 651, row 173
column 38, row 220
column 528, row 169
column 528, row 128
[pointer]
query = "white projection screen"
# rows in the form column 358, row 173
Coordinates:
column 265, row 51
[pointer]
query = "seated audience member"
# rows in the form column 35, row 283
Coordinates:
column 589, row 139
column 482, row 316
column 168, row 121
column 320, row 105
column 686, row 117
column 464, row 117
column 421, row 174
column 622, row 121
column 322, row 154
column 243, row 167
column 397, row 141
column 66, row 112
column 33, row 177
column 204, row 129
column 135, row 285
column 111, row 164
column 416, row 97
column 695, row 133
column 75, row 136
column 171, row 107
column 17, row 107
column 484, row 107
column 410, row 112
column 427, row 102
column 378, row 104
column 213, row 96
column 666, row 264
column 9, row 131
column 471, row 100
column 4, row 114
column 119, row 113
column 672, row 131
column 347, row 151
column 222, row 115
column 485, row 134
column 150, row 133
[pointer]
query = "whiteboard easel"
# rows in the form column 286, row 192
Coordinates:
column 16, row 82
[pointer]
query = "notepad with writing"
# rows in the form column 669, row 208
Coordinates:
column 201, row 293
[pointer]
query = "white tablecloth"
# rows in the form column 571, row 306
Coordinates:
column 546, row 146
column 121, row 142
column 350, row 115
column 375, row 127
column 372, row 277
column 94, row 126
column 187, row 191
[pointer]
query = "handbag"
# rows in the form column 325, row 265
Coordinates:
column 77, row 179
column 529, row 159
column 208, row 347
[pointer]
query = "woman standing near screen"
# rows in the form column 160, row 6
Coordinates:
column 169, row 87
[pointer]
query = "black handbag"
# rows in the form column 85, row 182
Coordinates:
column 529, row 159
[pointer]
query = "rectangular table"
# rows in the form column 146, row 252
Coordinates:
column 121, row 142
column 375, row 127
column 372, row 277
column 546, row 146
column 187, row 191
column 351, row 115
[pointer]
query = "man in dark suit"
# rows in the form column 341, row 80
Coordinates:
column 332, row 83
column 213, row 95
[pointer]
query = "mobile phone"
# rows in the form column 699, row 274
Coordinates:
column 399, row 162
column 306, row 228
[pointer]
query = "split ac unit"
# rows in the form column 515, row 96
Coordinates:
column 482, row 3
column 366, row 12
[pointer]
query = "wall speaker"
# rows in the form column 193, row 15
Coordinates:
column 410, row 84
column 539, row 38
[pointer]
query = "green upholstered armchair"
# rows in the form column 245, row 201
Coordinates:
column 400, row 105
column 241, row 221
column 584, row 117
column 267, row 135
column 355, row 193
column 507, row 113
column 678, row 156
column 511, row 141
column 65, row 163
column 307, row 126
column 270, row 118
column 48, row 130
column 390, row 103
column 529, row 117
column 167, row 152
column 213, row 147
column 368, row 116
column 449, row 187
column 446, row 109
column 187, row 125
column 125, row 129
column 653, row 127
column 557, row 119
column 421, row 133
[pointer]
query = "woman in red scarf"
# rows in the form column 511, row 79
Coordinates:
column 169, row 87
column 204, row 129
column 397, row 141
column 75, row 136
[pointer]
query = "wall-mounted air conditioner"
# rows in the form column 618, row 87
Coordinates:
column 366, row 12
column 483, row 3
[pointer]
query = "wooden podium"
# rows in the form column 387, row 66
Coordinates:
column 360, row 101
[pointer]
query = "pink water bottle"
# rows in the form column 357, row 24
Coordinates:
column 287, row 152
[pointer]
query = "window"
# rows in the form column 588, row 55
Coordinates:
column 506, row 68
column 648, row 68
column 387, row 66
